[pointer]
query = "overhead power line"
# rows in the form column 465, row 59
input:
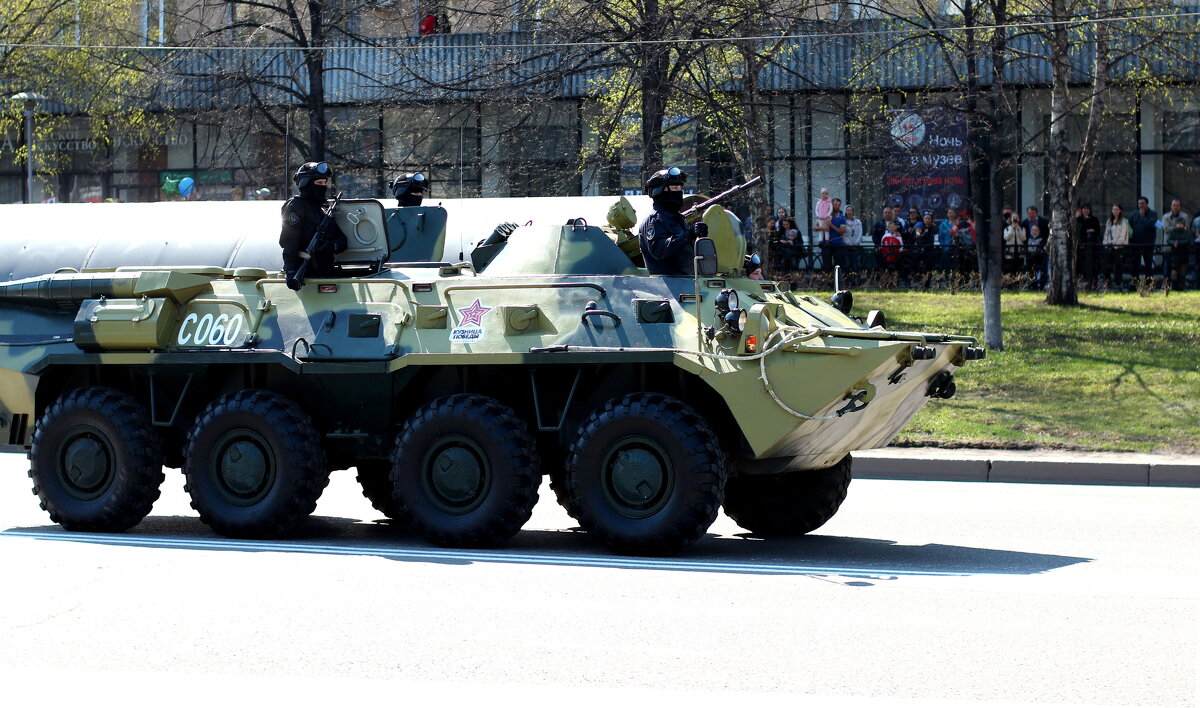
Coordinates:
column 911, row 29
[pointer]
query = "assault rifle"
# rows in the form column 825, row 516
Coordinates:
column 732, row 191
column 296, row 281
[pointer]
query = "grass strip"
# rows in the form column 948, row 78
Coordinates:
column 1121, row 372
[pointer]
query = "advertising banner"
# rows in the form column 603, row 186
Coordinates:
column 925, row 160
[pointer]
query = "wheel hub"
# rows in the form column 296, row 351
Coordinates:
column 456, row 475
column 638, row 477
column 244, row 467
column 86, row 465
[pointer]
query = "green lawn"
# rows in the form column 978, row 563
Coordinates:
column 1119, row 372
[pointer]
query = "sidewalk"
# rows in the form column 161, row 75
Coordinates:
column 1046, row 466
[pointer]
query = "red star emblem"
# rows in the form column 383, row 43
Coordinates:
column 473, row 315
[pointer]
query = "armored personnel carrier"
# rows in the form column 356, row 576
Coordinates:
column 650, row 402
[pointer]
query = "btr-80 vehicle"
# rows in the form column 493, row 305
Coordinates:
column 649, row 401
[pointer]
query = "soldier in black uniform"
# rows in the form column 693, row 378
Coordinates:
column 666, row 238
column 410, row 188
column 302, row 215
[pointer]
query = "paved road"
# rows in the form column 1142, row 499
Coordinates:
column 940, row 593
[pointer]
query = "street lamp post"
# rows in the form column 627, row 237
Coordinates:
column 30, row 100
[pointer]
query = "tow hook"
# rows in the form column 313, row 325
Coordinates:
column 942, row 386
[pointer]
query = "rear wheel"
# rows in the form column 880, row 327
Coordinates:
column 789, row 504
column 375, row 478
column 96, row 461
column 645, row 475
column 464, row 471
column 558, row 485
column 254, row 465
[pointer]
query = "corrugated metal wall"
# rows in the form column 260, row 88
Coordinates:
column 822, row 56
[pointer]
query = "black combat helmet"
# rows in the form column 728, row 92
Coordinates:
column 309, row 171
column 659, row 180
column 409, row 182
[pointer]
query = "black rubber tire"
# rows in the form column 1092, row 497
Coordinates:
column 375, row 478
column 104, row 426
column 496, row 470
column 558, row 485
column 641, row 442
column 789, row 504
column 286, row 474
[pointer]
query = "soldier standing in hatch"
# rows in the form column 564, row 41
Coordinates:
column 302, row 215
column 410, row 188
column 666, row 238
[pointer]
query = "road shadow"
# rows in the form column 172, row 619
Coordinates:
column 855, row 561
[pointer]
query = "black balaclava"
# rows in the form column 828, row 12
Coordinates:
column 670, row 200
column 314, row 192
column 408, row 199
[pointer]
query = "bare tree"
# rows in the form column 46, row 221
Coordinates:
column 1145, row 56
column 959, row 45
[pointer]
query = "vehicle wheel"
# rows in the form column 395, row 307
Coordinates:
column 645, row 475
column 789, row 504
column 558, row 485
column 375, row 478
column 254, row 465
column 553, row 458
column 96, row 461
column 465, row 472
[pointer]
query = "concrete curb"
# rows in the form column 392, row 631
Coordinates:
column 936, row 464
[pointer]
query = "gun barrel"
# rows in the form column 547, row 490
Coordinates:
column 722, row 196
column 65, row 291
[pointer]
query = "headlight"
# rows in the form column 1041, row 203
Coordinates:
column 726, row 301
column 736, row 320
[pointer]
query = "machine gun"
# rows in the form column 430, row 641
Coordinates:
column 296, row 281
column 732, row 191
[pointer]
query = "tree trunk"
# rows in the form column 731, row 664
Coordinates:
column 985, row 159
column 755, row 153
column 654, row 91
column 314, row 62
column 1060, row 244
column 991, row 256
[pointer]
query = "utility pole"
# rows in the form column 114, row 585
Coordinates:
column 30, row 100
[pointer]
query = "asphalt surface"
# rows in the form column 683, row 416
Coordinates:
column 915, row 593
column 1028, row 466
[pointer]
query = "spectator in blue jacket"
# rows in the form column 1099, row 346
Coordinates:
column 1143, row 225
column 945, row 229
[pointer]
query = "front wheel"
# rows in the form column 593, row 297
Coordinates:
column 96, row 461
column 254, row 465
column 645, row 475
column 788, row 504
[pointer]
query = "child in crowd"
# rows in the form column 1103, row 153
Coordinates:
column 823, row 211
column 891, row 245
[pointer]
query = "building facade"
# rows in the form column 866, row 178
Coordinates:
column 509, row 143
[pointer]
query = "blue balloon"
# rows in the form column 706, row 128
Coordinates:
column 186, row 185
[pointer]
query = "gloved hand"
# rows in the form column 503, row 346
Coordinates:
column 292, row 283
column 324, row 246
column 700, row 230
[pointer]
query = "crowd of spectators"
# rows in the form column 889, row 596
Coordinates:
column 1115, row 252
